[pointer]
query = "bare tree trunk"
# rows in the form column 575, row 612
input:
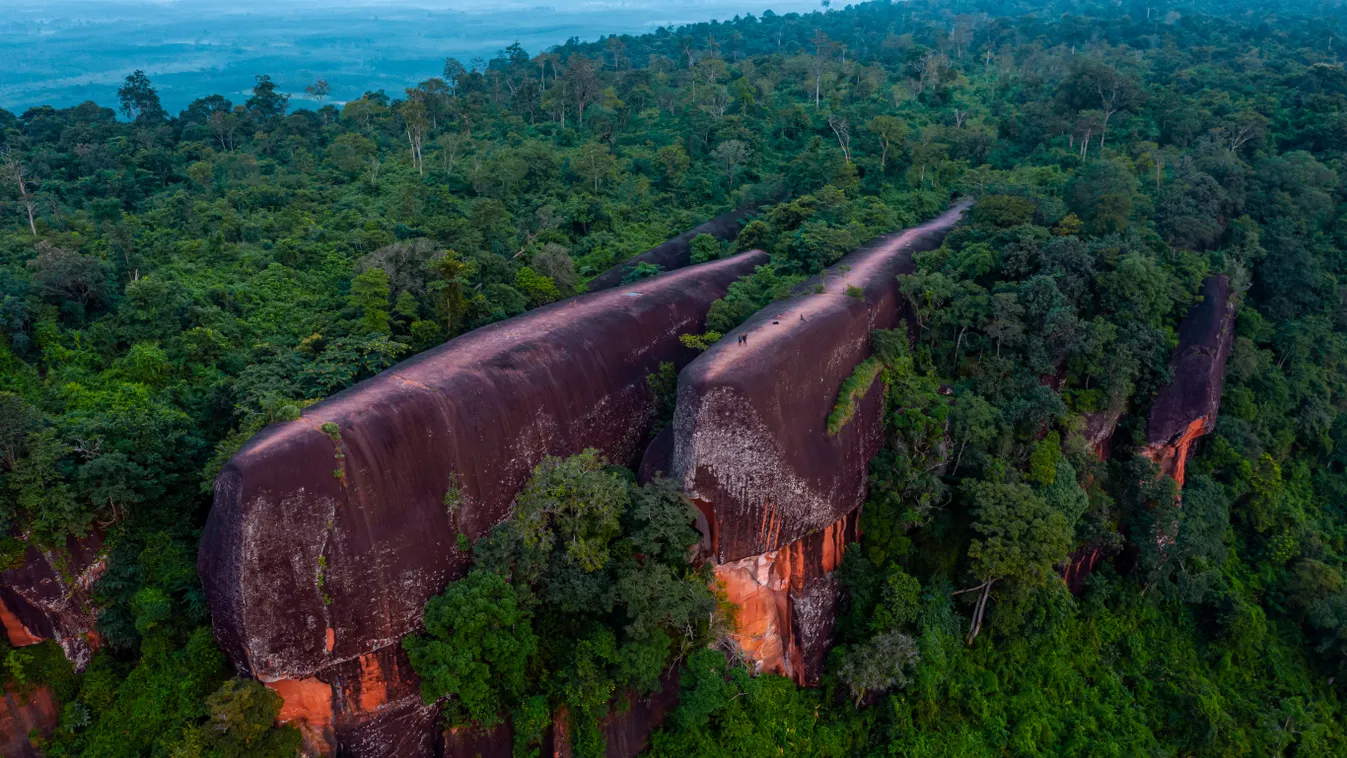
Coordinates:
column 981, row 608
column 16, row 170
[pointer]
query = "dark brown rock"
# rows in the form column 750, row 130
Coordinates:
column 48, row 597
column 750, row 430
column 1186, row 408
column 472, row 743
column 627, row 730
column 324, row 543
column 1078, row 567
column 677, row 252
column 1099, row 428
column 751, row 446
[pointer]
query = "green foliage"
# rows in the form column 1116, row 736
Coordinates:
column 1020, row 535
column 854, row 388
column 583, row 594
column 571, row 505
column 700, row 342
column 369, row 296
column 182, row 282
column 705, row 248
column 1047, row 453
column 475, row 650
column 641, row 271
column 176, row 700
column 725, row 711
column 664, row 386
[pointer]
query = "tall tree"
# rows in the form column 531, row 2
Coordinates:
column 267, row 104
column 140, row 100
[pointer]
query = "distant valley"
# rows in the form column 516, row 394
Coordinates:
column 63, row 53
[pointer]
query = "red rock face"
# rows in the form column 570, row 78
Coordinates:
column 787, row 600
column 23, row 713
column 1186, row 408
column 18, row 634
column 749, row 437
column 677, row 252
column 322, row 549
column 1078, row 567
column 48, row 597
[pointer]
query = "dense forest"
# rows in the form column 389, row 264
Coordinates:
column 171, row 284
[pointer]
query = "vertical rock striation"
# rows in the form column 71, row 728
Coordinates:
column 1186, row 408
column 329, row 533
column 750, row 443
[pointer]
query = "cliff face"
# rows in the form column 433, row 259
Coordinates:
column 677, row 252
column 1186, row 408
column 328, row 534
column 48, row 597
column 787, row 601
column 749, row 437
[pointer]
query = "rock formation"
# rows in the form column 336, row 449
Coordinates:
column 1186, row 408
column 48, row 597
column 787, row 600
column 677, row 252
column 1183, row 410
column 751, row 448
column 329, row 533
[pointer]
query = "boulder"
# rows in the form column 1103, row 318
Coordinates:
column 750, row 443
column 329, row 533
column 1186, row 408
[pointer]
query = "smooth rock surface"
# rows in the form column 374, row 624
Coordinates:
column 750, row 438
column 1186, row 408
column 750, row 446
column 329, row 533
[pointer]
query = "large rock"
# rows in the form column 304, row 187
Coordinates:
column 749, row 439
column 49, row 597
column 1186, row 408
column 677, row 252
column 329, row 533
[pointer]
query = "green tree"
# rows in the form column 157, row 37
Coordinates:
column 476, row 649
column 140, row 100
column 369, row 295
column 1020, row 538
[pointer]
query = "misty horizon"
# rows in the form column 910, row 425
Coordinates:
column 64, row 53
